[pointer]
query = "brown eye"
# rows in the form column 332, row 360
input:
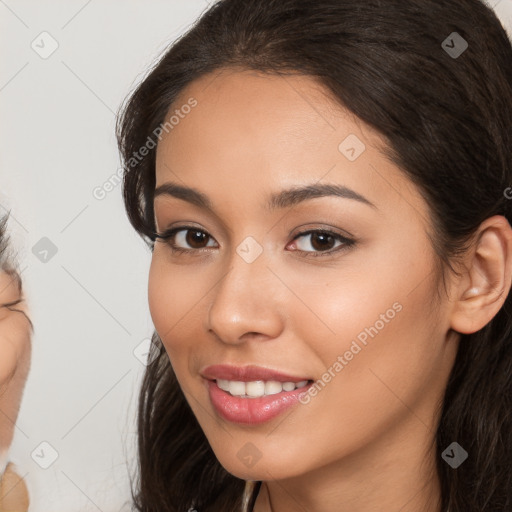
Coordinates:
column 195, row 238
column 318, row 241
column 186, row 239
column 321, row 243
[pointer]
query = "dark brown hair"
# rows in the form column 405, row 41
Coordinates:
column 8, row 262
column 447, row 120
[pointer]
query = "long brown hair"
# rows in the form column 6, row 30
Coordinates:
column 447, row 118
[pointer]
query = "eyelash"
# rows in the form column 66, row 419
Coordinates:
column 168, row 235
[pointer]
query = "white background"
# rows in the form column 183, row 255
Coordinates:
column 88, row 301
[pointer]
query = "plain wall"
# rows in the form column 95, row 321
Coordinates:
column 88, row 300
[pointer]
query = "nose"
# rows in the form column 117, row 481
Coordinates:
column 247, row 302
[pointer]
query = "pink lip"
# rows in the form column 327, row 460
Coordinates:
column 247, row 373
column 252, row 411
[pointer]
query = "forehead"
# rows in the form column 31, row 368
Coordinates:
column 266, row 132
column 250, row 110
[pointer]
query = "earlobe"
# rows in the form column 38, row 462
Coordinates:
column 487, row 281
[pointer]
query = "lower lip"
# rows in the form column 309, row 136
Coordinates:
column 252, row 411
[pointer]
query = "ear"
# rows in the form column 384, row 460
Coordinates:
column 481, row 291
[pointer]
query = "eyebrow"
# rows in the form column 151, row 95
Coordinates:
column 278, row 200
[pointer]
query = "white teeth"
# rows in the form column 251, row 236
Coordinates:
column 272, row 387
column 257, row 388
column 223, row 384
column 237, row 387
column 288, row 386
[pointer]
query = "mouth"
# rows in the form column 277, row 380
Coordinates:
column 258, row 388
column 252, row 395
column 250, row 373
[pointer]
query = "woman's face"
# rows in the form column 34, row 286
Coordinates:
column 15, row 356
column 335, row 286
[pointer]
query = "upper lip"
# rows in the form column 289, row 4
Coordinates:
column 247, row 373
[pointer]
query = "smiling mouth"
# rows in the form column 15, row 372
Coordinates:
column 252, row 395
column 258, row 388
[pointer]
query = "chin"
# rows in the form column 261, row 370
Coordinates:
column 270, row 467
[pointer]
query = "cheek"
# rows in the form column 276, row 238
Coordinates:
column 174, row 298
column 157, row 297
column 388, row 352
column 332, row 307
column 164, row 294
column 375, row 318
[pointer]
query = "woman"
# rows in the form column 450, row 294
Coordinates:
column 323, row 184
column 15, row 351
